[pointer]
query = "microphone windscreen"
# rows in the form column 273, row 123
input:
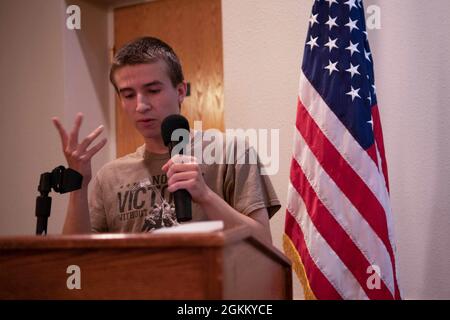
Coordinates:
column 170, row 124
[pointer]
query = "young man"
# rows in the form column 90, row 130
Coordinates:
column 134, row 193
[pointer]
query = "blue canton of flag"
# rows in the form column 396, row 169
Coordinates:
column 337, row 61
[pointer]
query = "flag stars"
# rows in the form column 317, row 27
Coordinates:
column 371, row 123
column 353, row 93
column 352, row 24
column 352, row 48
column 331, row 22
column 353, row 70
column 313, row 19
column 370, row 98
column 330, row 2
column 331, row 44
column 367, row 54
column 351, row 4
column 312, row 42
column 331, row 67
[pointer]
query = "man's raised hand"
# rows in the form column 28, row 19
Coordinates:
column 77, row 155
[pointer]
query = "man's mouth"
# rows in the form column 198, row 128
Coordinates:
column 146, row 120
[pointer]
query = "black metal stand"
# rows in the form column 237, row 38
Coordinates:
column 61, row 180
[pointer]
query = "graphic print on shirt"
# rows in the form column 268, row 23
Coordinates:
column 148, row 198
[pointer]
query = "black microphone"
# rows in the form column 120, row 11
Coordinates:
column 182, row 198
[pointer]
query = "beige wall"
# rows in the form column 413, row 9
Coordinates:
column 47, row 70
column 262, row 59
column 263, row 45
column 32, row 90
column 412, row 71
column 61, row 72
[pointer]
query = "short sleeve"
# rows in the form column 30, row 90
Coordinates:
column 247, row 190
column 97, row 210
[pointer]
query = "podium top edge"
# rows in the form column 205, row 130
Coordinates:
column 113, row 240
column 125, row 240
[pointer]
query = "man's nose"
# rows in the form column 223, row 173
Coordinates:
column 143, row 104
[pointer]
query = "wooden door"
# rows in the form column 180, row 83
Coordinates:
column 193, row 28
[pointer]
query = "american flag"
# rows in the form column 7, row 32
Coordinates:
column 339, row 228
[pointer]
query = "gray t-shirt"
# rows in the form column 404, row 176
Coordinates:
column 130, row 194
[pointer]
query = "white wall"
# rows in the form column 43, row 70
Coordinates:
column 412, row 70
column 32, row 91
column 263, row 46
column 46, row 71
column 262, row 43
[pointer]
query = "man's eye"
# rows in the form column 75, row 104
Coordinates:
column 154, row 91
column 129, row 96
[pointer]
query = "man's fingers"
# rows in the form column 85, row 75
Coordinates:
column 62, row 132
column 73, row 137
column 184, row 184
column 91, row 137
column 92, row 151
column 182, row 167
column 181, row 176
column 181, row 158
column 177, row 159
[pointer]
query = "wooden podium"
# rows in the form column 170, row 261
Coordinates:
column 227, row 264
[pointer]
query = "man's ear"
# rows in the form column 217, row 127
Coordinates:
column 181, row 90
